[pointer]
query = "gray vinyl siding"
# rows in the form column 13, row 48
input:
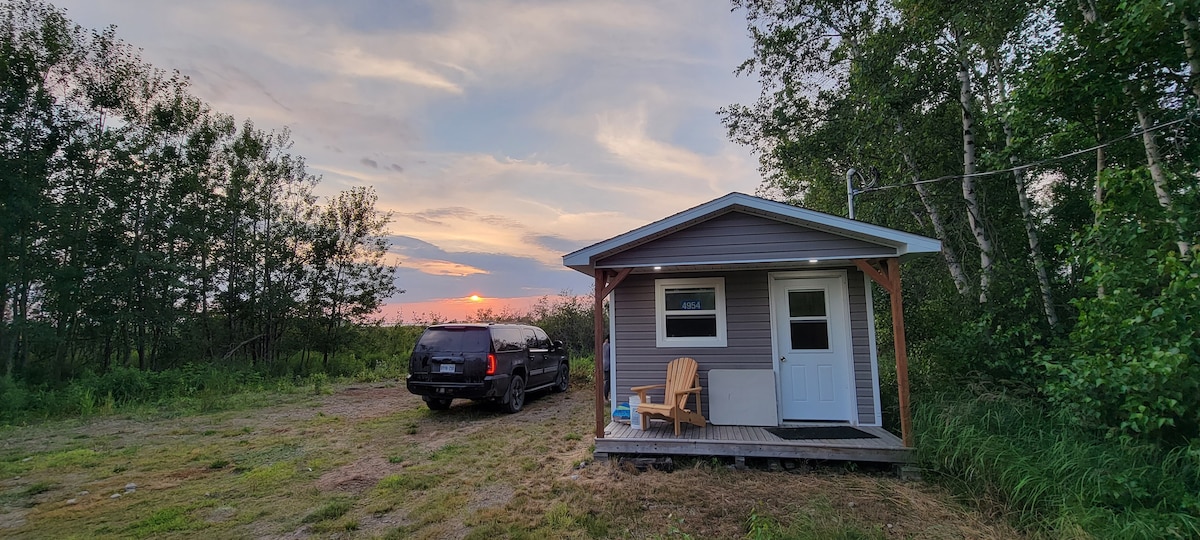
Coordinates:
column 748, row 318
column 736, row 236
column 860, row 337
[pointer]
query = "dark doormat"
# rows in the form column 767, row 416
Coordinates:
column 820, row 432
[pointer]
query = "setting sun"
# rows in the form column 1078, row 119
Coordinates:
column 475, row 298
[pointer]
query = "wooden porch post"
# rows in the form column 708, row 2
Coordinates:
column 889, row 279
column 901, row 351
column 606, row 282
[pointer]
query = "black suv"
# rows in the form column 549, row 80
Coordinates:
column 497, row 362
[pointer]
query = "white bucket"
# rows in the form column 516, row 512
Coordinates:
column 635, row 419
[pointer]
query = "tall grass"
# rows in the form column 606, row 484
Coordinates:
column 583, row 370
column 201, row 387
column 193, row 387
column 1054, row 477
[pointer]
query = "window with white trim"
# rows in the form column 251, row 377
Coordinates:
column 690, row 312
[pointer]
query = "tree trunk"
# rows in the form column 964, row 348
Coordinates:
column 961, row 282
column 1101, row 163
column 205, row 319
column 974, row 209
column 19, row 342
column 1091, row 16
column 1089, row 11
column 106, row 354
column 1161, row 189
column 1031, row 234
column 1027, row 218
column 1190, row 28
column 4, row 321
column 60, row 345
column 1154, row 159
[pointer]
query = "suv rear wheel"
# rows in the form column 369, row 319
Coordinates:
column 564, row 378
column 515, row 400
column 438, row 404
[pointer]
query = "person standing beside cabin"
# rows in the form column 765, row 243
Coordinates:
column 606, row 353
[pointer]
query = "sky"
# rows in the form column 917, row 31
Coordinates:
column 501, row 134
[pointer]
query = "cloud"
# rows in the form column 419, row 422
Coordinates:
column 465, row 230
column 553, row 242
column 440, row 216
column 355, row 62
column 501, row 133
column 623, row 133
column 440, row 268
column 430, row 273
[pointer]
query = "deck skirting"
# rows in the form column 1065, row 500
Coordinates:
column 749, row 441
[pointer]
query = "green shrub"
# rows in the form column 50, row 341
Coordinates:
column 1055, row 476
column 13, row 396
column 1133, row 362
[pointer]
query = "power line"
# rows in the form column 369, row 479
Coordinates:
column 1027, row 165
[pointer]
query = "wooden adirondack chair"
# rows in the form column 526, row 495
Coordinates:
column 682, row 381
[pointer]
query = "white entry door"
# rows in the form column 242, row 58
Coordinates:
column 812, row 338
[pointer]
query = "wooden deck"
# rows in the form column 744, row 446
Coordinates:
column 747, row 441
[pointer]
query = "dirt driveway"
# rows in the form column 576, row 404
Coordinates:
column 369, row 460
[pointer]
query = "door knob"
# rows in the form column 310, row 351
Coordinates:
column 783, row 359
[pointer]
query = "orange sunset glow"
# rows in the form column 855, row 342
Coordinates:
column 453, row 309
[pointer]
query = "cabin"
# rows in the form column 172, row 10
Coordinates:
column 775, row 304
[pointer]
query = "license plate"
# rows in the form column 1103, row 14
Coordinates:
column 447, row 368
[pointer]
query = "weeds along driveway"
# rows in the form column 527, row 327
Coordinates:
column 369, row 460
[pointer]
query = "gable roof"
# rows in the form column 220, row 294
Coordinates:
column 904, row 244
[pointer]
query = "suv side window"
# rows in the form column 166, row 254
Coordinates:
column 507, row 339
column 543, row 341
column 530, row 338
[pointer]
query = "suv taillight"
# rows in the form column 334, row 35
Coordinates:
column 491, row 369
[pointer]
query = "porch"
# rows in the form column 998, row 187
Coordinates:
column 748, row 441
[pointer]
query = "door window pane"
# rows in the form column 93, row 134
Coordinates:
column 691, row 326
column 810, row 335
column 806, row 303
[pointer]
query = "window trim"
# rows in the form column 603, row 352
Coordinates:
column 660, row 312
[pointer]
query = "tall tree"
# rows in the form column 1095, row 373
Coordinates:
column 1001, row 98
column 135, row 221
column 350, row 278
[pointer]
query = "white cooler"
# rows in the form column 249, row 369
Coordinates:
column 635, row 419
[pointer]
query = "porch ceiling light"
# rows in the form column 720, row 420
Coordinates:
column 658, row 268
column 812, row 261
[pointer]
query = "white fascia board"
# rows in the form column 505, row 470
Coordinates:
column 805, row 260
column 905, row 243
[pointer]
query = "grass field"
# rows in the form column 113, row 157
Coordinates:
column 369, row 460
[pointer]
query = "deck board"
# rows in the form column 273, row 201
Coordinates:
column 749, row 441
